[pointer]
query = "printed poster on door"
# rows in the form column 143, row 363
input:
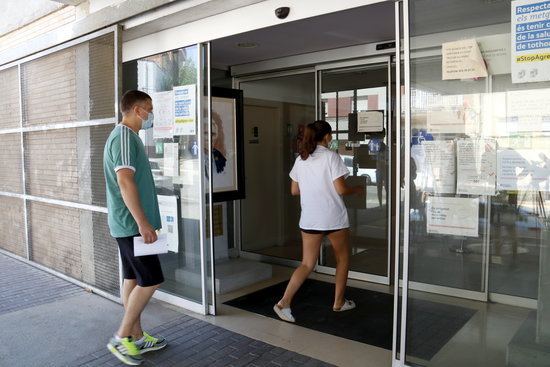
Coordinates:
column 530, row 41
column 453, row 216
column 476, row 166
column 184, row 110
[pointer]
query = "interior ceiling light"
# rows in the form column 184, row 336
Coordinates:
column 247, row 44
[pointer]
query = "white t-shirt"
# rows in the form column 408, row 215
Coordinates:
column 322, row 207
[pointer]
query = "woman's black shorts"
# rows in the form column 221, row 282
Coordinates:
column 145, row 269
column 323, row 232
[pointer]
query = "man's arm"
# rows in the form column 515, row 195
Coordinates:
column 129, row 191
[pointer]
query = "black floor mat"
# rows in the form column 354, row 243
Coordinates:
column 431, row 325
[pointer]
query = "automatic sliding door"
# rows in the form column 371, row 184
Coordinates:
column 276, row 111
column 347, row 94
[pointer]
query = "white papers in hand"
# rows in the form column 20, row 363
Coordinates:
column 160, row 246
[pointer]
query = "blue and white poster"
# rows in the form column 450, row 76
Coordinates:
column 530, row 41
column 184, row 110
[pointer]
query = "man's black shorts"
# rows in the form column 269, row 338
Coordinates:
column 145, row 269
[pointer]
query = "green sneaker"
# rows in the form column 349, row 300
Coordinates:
column 125, row 350
column 149, row 343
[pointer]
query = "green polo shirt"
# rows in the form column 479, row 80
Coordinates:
column 124, row 149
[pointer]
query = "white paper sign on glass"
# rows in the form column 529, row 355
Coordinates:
column 453, row 216
column 440, row 164
column 171, row 163
column 528, row 110
column 462, row 60
column 522, row 169
column 476, row 166
column 454, row 114
column 160, row 246
column 168, row 207
column 163, row 126
column 370, row 121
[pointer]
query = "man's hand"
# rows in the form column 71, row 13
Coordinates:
column 148, row 233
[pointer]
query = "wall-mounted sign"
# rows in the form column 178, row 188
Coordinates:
column 530, row 41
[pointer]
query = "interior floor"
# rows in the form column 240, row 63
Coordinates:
column 482, row 341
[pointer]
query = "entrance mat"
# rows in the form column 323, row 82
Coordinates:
column 431, row 325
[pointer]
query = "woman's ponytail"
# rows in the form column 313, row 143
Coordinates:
column 314, row 133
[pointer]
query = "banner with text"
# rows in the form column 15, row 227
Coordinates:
column 530, row 41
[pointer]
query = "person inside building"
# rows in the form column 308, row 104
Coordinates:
column 318, row 176
column 133, row 211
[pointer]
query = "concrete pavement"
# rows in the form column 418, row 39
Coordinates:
column 48, row 321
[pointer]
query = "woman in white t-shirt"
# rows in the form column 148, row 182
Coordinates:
column 318, row 176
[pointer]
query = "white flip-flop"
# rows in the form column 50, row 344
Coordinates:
column 348, row 305
column 284, row 313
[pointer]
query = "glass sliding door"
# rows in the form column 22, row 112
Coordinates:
column 347, row 94
column 476, row 194
column 177, row 146
column 276, row 110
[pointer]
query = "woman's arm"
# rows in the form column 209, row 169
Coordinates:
column 294, row 188
column 343, row 189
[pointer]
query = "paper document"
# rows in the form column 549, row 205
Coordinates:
column 160, row 246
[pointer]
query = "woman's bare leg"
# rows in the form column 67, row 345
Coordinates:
column 340, row 244
column 311, row 244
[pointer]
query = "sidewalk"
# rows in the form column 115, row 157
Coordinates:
column 48, row 321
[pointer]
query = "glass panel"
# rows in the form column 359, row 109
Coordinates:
column 345, row 93
column 170, row 78
column 479, row 194
column 276, row 111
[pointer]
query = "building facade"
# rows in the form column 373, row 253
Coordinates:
column 438, row 107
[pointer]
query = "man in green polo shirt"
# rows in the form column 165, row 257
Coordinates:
column 133, row 211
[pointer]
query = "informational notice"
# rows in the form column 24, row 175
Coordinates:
column 462, row 60
column 163, row 126
column 476, row 166
column 458, row 114
column 453, row 216
column 370, row 121
column 168, row 206
column 440, row 164
column 525, row 170
column 530, row 41
column 171, row 162
column 528, row 110
column 184, row 110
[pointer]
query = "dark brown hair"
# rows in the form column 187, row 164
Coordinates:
column 315, row 132
column 131, row 98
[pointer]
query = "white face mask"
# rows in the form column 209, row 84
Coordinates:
column 147, row 124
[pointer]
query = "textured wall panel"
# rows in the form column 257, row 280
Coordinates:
column 51, row 160
column 49, row 88
column 102, row 82
column 105, row 256
column 55, row 237
column 13, row 226
column 11, row 175
column 9, row 99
